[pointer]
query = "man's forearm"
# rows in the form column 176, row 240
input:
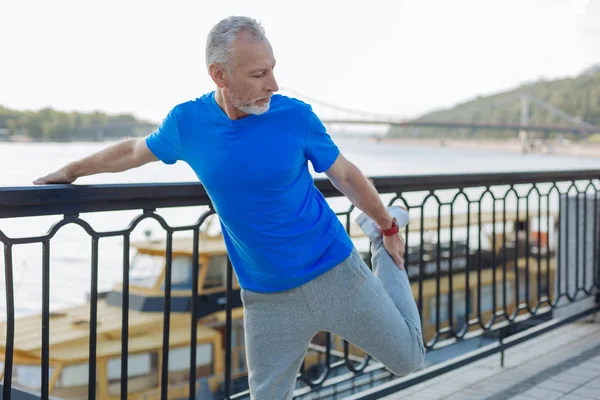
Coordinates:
column 115, row 158
column 361, row 192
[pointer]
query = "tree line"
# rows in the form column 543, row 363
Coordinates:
column 51, row 125
column 578, row 97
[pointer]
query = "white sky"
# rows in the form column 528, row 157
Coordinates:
column 395, row 57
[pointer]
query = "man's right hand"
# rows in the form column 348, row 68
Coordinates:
column 130, row 153
column 60, row 176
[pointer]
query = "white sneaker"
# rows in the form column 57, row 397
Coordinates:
column 373, row 231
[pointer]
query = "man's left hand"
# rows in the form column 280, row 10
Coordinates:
column 395, row 246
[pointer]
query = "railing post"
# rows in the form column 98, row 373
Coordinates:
column 228, row 327
column 501, row 340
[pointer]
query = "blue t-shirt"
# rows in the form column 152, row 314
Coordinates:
column 278, row 229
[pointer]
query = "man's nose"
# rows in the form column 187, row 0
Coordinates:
column 272, row 84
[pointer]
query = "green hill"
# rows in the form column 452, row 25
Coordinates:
column 52, row 125
column 577, row 97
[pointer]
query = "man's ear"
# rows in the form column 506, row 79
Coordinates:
column 217, row 73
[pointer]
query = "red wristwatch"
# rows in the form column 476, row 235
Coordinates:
column 391, row 231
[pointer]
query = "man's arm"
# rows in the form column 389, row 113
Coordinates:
column 122, row 156
column 349, row 180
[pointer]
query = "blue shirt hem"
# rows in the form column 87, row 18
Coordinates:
column 292, row 284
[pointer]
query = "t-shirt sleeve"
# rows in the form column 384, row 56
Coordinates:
column 165, row 142
column 320, row 148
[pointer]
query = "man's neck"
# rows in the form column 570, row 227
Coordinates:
column 227, row 106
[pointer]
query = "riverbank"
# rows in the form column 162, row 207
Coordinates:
column 565, row 148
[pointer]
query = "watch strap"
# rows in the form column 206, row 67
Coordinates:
column 391, row 231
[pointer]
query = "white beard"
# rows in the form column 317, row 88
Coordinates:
column 254, row 108
column 249, row 107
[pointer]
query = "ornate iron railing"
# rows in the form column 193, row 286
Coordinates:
column 486, row 253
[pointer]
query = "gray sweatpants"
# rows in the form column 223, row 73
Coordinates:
column 376, row 312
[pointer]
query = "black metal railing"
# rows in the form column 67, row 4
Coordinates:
column 486, row 253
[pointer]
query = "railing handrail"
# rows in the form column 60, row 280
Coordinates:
column 27, row 201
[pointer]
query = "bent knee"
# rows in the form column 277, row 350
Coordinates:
column 407, row 360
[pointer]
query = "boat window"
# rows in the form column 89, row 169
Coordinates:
column 458, row 309
column 181, row 273
column 487, row 299
column 216, row 275
column 142, row 373
column 522, row 287
column 137, row 364
column 146, row 269
column 28, row 376
column 179, row 357
column 73, row 375
column 238, row 343
column 543, row 284
column 179, row 362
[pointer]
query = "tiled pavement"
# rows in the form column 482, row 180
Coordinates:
column 563, row 364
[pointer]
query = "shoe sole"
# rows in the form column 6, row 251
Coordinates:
column 401, row 215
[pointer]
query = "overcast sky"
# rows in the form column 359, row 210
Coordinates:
column 395, row 57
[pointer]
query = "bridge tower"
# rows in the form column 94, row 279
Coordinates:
column 523, row 134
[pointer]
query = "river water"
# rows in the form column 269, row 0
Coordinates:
column 71, row 247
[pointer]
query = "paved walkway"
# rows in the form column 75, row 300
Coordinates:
column 563, row 364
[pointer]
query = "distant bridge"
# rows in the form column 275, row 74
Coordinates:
column 334, row 114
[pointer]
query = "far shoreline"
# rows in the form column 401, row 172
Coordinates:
column 513, row 145
column 591, row 150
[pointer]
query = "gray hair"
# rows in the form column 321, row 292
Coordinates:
column 221, row 38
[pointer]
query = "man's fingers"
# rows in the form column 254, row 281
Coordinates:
column 53, row 178
column 399, row 261
column 395, row 248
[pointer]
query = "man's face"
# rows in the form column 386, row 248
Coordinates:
column 251, row 82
